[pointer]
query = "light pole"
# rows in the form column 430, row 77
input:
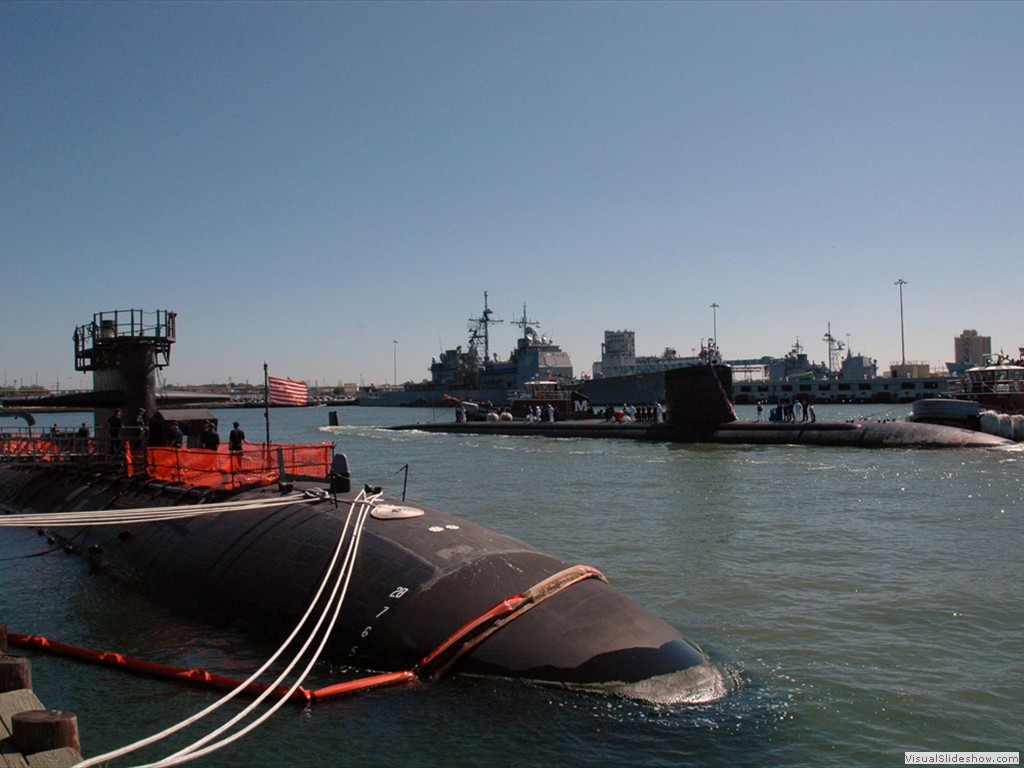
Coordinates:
column 903, row 344
column 394, row 360
column 714, row 323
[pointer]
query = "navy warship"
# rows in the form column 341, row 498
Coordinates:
column 473, row 374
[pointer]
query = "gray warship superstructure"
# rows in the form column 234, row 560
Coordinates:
column 471, row 373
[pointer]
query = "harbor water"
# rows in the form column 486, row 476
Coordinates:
column 864, row 603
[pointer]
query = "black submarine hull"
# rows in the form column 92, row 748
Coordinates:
column 417, row 580
column 892, row 434
column 699, row 411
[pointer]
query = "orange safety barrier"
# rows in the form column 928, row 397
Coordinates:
column 254, row 464
column 45, row 447
column 201, row 677
column 151, row 668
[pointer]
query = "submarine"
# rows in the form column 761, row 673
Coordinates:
column 428, row 591
column 699, row 411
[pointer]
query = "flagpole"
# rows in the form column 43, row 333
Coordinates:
column 266, row 399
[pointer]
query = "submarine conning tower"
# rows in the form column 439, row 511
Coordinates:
column 697, row 395
column 123, row 349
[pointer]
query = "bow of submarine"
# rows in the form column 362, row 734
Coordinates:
column 592, row 637
column 588, row 636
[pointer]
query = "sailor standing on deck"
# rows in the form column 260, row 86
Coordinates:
column 208, row 438
column 177, row 436
column 82, row 438
column 114, row 425
column 235, row 438
column 140, row 428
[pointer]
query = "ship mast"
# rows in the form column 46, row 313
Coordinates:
column 524, row 322
column 834, row 348
column 478, row 331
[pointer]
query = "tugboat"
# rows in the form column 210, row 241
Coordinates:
column 246, row 536
column 999, row 385
column 566, row 402
column 988, row 398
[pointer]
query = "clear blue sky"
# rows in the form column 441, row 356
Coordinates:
column 305, row 183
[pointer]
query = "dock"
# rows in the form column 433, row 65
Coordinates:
column 31, row 736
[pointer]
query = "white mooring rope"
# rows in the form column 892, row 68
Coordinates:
column 144, row 514
column 360, row 507
column 192, row 751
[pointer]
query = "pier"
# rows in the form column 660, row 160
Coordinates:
column 31, row 736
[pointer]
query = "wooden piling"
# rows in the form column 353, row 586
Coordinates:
column 15, row 673
column 31, row 736
column 39, row 730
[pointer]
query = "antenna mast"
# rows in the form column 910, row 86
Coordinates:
column 834, row 348
column 478, row 330
column 524, row 321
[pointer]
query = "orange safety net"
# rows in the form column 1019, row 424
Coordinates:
column 45, row 448
column 254, row 464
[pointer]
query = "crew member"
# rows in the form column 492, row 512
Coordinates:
column 141, row 429
column 208, row 438
column 114, row 424
column 176, row 435
column 236, row 438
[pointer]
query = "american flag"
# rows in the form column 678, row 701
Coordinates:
column 287, row 392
